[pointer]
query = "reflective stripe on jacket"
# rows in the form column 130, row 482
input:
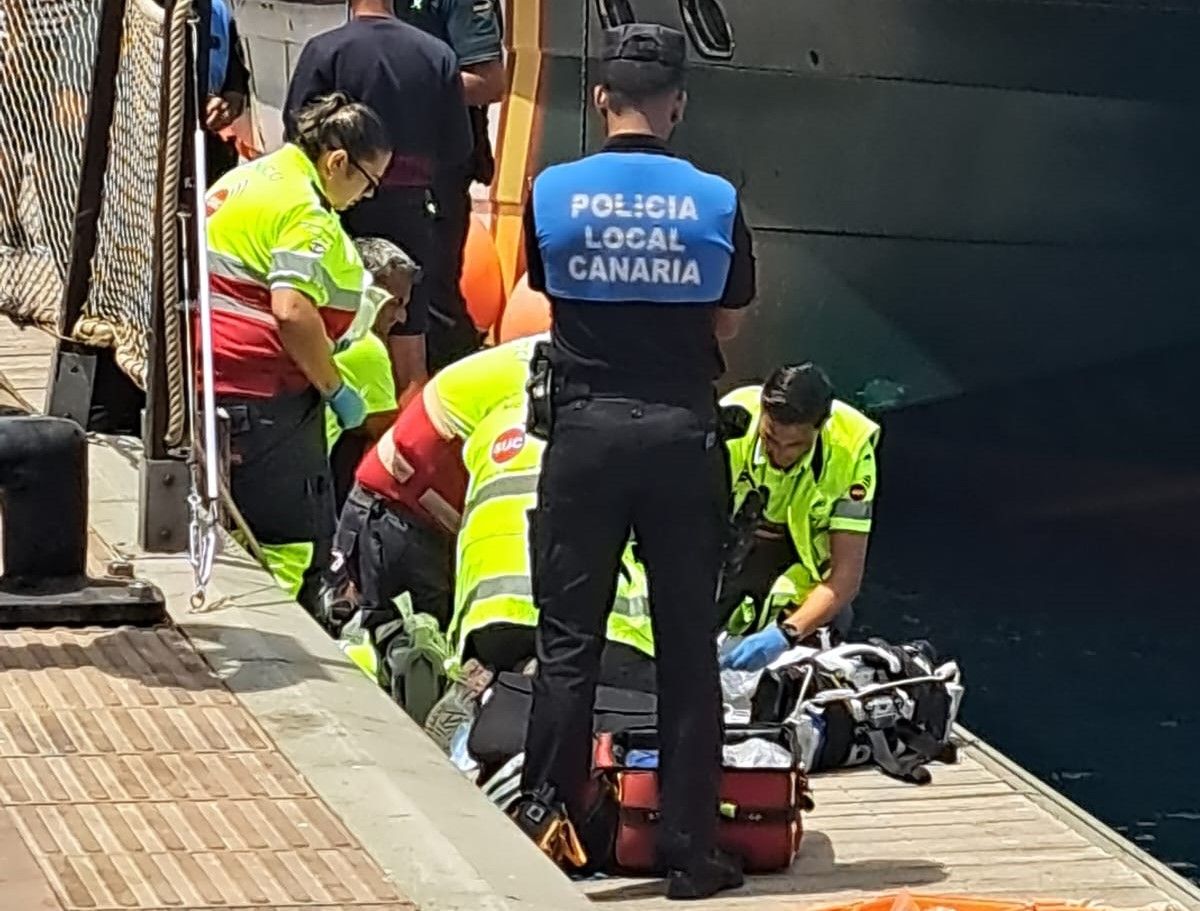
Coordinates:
column 493, row 582
column 270, row 228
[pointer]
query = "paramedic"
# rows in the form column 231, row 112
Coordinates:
column 473, row 30
column 811, row 460
column 286, row 282
column 647, row 262
column 397, row 528
column 362, row 359
column 494, row 613
column 411, row 79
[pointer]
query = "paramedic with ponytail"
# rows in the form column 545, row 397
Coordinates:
column 647, row 262
column 810, row 461
column 286, row 282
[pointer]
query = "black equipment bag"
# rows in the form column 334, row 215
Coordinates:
column 498, row 733
column 893, row 706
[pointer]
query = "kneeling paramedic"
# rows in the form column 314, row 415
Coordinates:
column 365, row 363
column 494, row 613
column 285, row 284
column 806, row 469
column 646, row 261
column 396, row 530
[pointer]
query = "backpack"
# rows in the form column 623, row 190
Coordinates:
column 859, row 703
column 414, row 658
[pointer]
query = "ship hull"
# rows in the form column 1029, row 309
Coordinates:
column 945, row 197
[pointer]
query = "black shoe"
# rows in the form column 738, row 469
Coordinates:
column 715, row 873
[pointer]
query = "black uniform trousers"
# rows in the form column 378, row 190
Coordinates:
column 451, row 335
column 279, row 476
column 385, row 553
column 402, row 215
column 616, row 465
column 431, row 227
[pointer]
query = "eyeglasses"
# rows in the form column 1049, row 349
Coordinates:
column 372, row 181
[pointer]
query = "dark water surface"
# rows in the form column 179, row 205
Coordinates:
column 1047, row 537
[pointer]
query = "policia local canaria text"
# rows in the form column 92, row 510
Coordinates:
column 638, row 264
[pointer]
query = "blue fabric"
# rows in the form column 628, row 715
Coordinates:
column 641, row 759
column 218, row 47
column 634, row 226
column 348, row 406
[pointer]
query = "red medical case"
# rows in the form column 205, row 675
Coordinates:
column 760, row 809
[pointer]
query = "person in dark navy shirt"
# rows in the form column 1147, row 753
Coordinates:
column 474, row 31
column 412, row 80
column 647, row 261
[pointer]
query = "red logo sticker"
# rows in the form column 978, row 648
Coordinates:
column 508, row 445
column 858, row 492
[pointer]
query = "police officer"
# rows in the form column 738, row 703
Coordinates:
column 647, row 262
column 474, row 31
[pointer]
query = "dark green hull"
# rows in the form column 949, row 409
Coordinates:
column 947, row 195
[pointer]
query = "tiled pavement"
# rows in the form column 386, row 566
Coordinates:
column 131, row 778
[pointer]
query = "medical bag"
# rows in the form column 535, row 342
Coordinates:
column 760, row 808
column 498, row 733
column 893, row 706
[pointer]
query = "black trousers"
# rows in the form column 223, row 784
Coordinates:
column 509, row 646
column 279, row 475
column 451, row 335
column 384, row 555
column 435, row 239
column 402, row 215
column 614, row 466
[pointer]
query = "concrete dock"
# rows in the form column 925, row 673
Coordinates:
column 234, row 759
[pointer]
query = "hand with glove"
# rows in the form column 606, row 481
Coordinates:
column 348, row 407
column 757, row 651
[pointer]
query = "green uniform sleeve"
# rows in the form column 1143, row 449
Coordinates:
column 853, row 510
column 313, row 255
column 364, row 367
column 741, row 448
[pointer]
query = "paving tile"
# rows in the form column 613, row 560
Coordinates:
column 131, row 778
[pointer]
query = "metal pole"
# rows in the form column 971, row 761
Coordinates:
column 208, row 409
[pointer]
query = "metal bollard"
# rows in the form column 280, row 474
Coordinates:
column 44, row 503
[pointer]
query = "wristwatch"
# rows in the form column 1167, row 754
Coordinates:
column 790, row 633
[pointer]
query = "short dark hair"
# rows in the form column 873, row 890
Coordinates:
column 798, row 394
column 335, row 121
column 630, row 84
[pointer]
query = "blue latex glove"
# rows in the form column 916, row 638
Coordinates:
column 757, row 651
column 348, row 406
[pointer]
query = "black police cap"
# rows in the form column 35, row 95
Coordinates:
column 644, row 42
column 642, row 59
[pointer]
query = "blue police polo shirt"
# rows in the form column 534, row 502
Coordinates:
column 636, row 249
